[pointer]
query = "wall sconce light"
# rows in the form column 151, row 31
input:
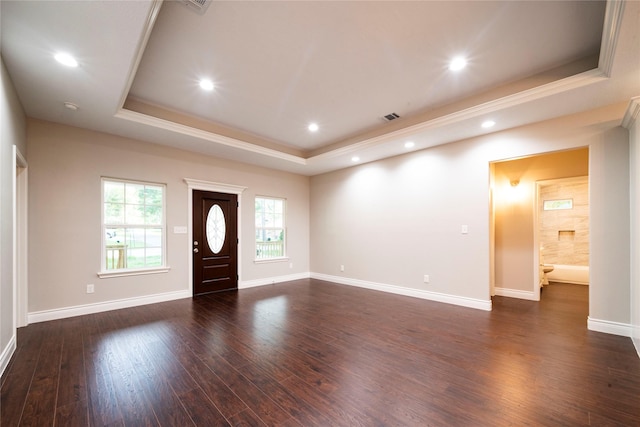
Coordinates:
column 515, row 183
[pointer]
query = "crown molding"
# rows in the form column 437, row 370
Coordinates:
column 554, row 88
column 632, row 113
column 205, row 135
column 611, row 28
column 610, row 31
column 148, row 26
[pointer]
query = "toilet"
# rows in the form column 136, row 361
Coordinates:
column 544, row 269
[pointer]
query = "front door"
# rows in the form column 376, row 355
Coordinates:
column 215, row 242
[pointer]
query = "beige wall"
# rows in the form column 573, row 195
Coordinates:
column 66, row 165
column 610, row 219
column 634, row 141
column 514, row 211
column 12, row 133
column 395, row 220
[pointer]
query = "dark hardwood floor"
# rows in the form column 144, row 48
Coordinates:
column 312, row 353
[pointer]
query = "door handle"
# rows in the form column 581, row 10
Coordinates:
column 195, row 250
column 195, row 243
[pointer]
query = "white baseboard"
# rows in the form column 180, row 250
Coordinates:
column 608, row 327
column 515, row 293
column 7, row 352
column 79, row 310
column 272, row 280
column 410, row 292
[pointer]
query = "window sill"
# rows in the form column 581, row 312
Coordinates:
column 271, row 260
column 133, row 272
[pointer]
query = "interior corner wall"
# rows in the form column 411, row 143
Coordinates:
column 13, row 131
column 609, row 258
column 395, row 220
column 65, row 169
column 634, row 172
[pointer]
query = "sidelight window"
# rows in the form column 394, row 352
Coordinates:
column 133, row 225
column 270, row 228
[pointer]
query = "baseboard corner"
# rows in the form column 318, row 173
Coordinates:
column 7, row 353
column 609, row 327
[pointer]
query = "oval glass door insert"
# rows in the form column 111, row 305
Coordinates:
column 216, row 228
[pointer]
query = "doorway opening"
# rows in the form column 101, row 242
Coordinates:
column 515, row 244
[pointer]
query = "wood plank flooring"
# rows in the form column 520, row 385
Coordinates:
column 312, row 353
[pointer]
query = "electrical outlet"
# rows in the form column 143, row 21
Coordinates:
column 464, row 229
column 342, row 268
column 426, row 278
column 90, row 288
column 290, row 265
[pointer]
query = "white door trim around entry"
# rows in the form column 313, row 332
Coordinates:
column 217, row 187
column 20, row 215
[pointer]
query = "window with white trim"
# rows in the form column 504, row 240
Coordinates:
column 133, row 225
column 270, row 228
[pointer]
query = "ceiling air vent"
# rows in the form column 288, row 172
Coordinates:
column 391, row 116
column 198, row 6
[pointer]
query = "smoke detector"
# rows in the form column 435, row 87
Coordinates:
column 198, row 6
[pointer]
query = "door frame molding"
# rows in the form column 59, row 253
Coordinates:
column 20, row 243
column 216, row 187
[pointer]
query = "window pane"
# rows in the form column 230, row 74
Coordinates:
column 154, row 237
column 113, row 192
column 135, row 193
column 278, row 206
column 153, row 215
column 552, row 205
column 113, row 213
column 153, row 257
column 116, row 257
column 135, row 238
column 134, row 214
column 114, row 236
column 135, row 258
column 278, row 221
column 153, row 195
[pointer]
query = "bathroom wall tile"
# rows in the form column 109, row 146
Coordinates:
column 560, row 245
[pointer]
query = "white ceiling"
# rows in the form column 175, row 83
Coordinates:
column 278, row 66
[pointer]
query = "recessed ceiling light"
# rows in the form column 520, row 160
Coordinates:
column 206, row 84
column 409, row 144
column 457, row 63
column 488, row 124
column 66, row 59
column 71, row 106
column 313, row 127
column 355, row 159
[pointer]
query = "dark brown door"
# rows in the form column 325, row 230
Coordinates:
column 215, row 242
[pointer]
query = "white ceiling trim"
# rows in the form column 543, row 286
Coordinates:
column 549, row 89
column 610, row 31
column 205, row 135
column 554, row 88
column 148, row 26
column 632, row 113
column 613, row 18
